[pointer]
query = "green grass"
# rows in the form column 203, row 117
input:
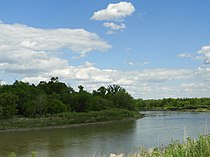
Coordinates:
column 67, row 119
column 191, row 148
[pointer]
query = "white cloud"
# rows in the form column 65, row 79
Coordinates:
column 185, row 55
column 114, row 11
column 110, row 32
column 205, row 52
column 2, row 82
column 27, row 52
column 151, row 83
column 136, row 63
column 18, row 37
column 200, row 86
column 114, row 26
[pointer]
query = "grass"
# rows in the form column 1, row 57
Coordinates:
column 191, row 148
column 67, row 119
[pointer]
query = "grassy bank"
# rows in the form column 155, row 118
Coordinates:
column 67, row 119
column 190, row 148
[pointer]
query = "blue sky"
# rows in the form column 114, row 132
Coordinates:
column 153, row 48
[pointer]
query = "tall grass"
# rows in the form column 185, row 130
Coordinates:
column 191, row 148
column 63, row 119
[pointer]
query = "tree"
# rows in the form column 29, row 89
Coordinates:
column 122, row 99
column 23, row 91
column 37, row 106
column 81, row 88
column 81, row 102
column 113, row 89
column 8, row 105
column 98, row 103
column 102, row 91
column 54, row 86
column 55, row 105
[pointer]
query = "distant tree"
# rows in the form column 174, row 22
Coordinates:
column 81, row 101
column 54, row 86
column 122, row 99
column 55, row 105
column 81, row 88
column 102, row 91
column 113, row 89
column 98, row 103
column 23, row 91
column 54, row 79
column 37, row 106
column 8, row 105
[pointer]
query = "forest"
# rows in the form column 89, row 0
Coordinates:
column 174, row 104
column 54, row 97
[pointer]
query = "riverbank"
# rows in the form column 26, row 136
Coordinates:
column 190, row 148
column 65, row 120
column 180, row 109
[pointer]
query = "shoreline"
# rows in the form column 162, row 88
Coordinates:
column 70, row 125
column 179, row 110
column 68, row 119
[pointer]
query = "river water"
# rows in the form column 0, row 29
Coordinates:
column 154, row 130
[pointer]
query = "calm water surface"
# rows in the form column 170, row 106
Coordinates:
column 154, row 130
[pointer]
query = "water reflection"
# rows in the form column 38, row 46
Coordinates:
column 155, row 129
column 76, row 140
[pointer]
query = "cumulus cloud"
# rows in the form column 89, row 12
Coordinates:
column 114, row 26
column 21, row 37
column 27, row 52
column 154, row 83
column 203, row 54
column 114, row 11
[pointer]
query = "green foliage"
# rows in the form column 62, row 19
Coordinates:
column 188, row 104
column 12, row 155
column 98, row 103
column 191, row 148
column 55, row 106
column 52, row 97
column 68, row 118
column 48, row 98
column 8, row 105
column 81, row 101
column 120, row 98
column 54, row 86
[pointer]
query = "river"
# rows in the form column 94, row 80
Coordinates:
column 154, row 130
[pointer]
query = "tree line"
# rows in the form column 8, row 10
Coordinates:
column 174, row 104
column 53, row 97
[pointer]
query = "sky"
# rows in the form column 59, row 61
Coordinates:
column 152, row 48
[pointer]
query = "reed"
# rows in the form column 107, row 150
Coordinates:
column 190, row 148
